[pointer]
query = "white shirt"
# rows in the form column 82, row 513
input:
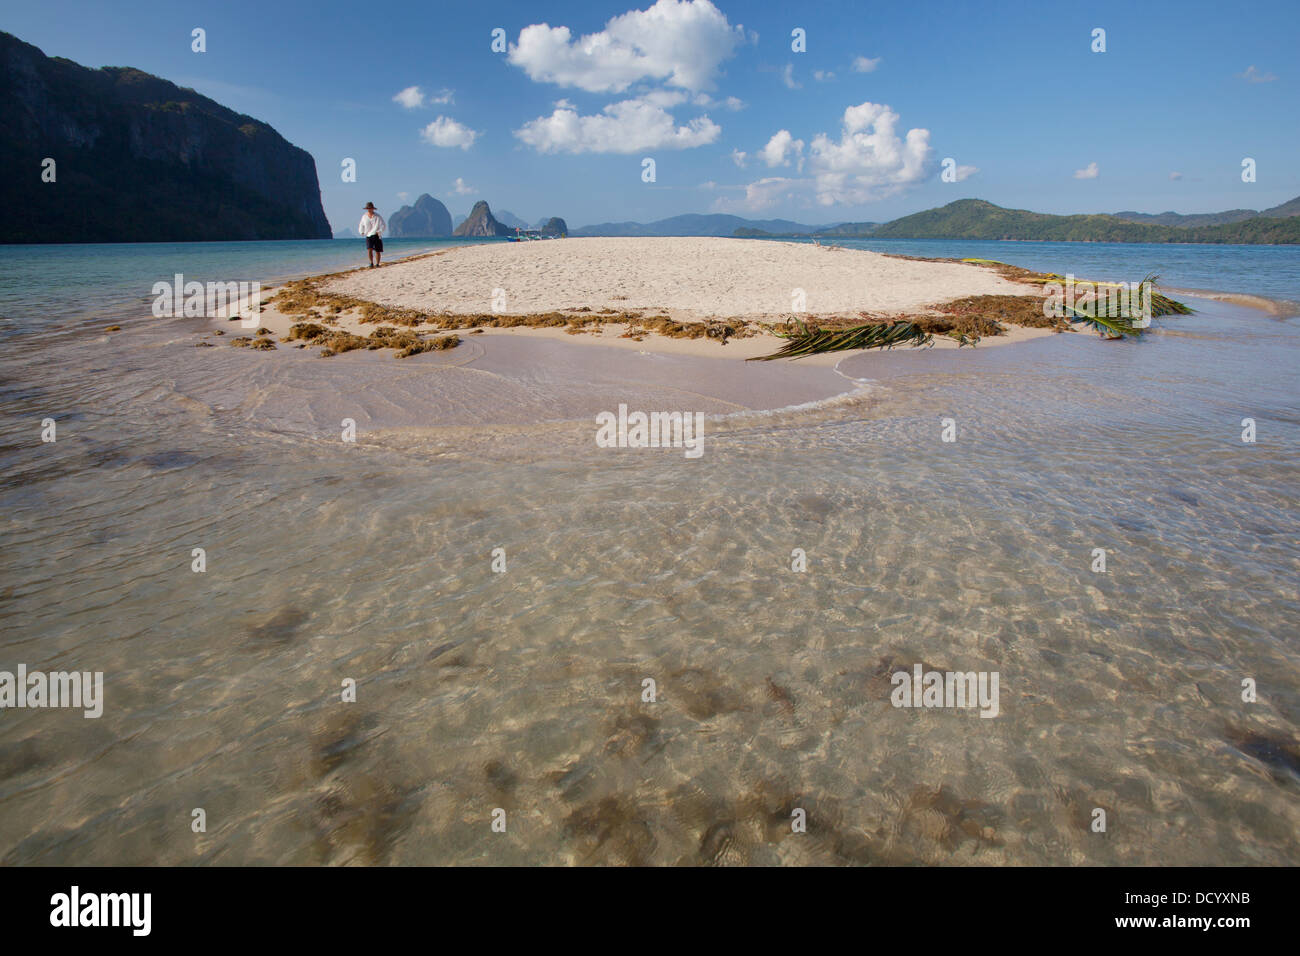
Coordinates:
column 372, row 224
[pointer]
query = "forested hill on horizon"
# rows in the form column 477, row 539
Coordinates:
column 979, row 219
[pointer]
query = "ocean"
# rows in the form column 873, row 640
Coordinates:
column 613, row 652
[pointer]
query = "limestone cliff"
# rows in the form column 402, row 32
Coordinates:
column 427, row 218
column 481, row 223
column 140, row 159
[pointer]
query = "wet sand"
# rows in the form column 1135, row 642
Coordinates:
column 503, row 376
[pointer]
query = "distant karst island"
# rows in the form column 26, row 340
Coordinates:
column 119, row 155
column 428, row 218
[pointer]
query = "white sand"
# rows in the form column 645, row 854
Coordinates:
column 684, row 278
column 520, row 375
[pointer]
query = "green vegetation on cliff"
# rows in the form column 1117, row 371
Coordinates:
column 978, row 219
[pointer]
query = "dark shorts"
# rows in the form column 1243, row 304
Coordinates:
column 375, row 243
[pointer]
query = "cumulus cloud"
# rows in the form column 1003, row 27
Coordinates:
column 963, row 173
column 462, row 188
column 413, row 97
column 865, row 64
column 1252, row 75
column 627, row 126
column 782, row 148
column 739, row 156
column 787, row 77
column 821, row 76
column 679, row 42
column 869, row 160
column 403, row 196
column 1091, row 171
column 446, row 132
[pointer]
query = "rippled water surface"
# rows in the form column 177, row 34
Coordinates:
column 524, row 690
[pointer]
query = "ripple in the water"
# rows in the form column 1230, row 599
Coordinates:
column 368, row 569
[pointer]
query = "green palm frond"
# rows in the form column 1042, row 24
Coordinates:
column 1124, row 324
column 1117, row 325
column 811, row 340
column 1162, row 304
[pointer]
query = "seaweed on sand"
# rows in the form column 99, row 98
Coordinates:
column 968, row 319
column 244, row 341
column 385, row 337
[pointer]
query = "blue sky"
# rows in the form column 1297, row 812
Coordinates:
column 854, row 128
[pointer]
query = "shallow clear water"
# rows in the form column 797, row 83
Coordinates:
column 523, row 691
column 47, row 286
column 1269, row 271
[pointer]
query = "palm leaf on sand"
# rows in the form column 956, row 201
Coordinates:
column 1125, row 322
column 811, row 340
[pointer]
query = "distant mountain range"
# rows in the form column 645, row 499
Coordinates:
column 695, row 224
column 978, row 219
column 136, row 158
column 963, row 219
column 507, row 218
column 1291, row 208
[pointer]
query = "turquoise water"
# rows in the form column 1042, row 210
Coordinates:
column 42, row 285
column 52, row 284
column 522, row 691
column 1269, row 271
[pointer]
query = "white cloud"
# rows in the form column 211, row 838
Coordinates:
column 782, row 148
column 462, row 188
column 705, row 100
column 627, row 126
column 1253, row 75
column 787, row 77
column 963, row 173
column 869, row 161
column 411, row 97
column 759, row 195
column 680, row 42
column 664, row 99
column 1088, row 172
column 738, row 156
column 865, row 64
column 821, row 76
column 403, row 196
column 1175, row 176
column 445, row 131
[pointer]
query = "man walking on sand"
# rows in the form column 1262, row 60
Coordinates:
column 372, row 227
